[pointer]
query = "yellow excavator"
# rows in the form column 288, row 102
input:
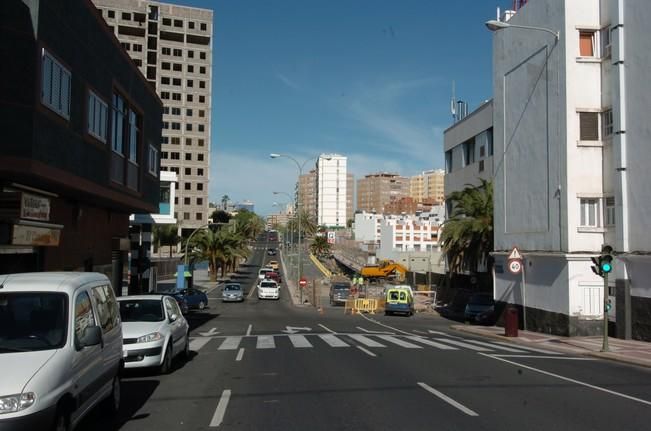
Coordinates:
column 385, row 269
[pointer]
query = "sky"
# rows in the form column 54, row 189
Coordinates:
column 367, row 79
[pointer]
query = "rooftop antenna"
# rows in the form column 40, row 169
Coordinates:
column 453, row 105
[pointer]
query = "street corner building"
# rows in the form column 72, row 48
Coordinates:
column 81, row 140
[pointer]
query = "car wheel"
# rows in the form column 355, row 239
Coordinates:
column 166, row 366
column 62, row 420
column 186, row 349
column 202, row 305
column 112, row 403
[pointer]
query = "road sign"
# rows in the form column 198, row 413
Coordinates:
column 515, row 254
column 302, row 282
column 515, row 266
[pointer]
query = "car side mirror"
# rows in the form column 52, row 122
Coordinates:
column 173, row 317
column 92, row 336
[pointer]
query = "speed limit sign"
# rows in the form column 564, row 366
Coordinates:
column 515, row 266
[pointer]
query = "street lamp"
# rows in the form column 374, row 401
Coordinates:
column 495, row 25
column 300, row 167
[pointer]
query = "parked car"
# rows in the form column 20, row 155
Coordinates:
column 195, row 298
column 232, row 292
column 154, row 331
column 180, row 300
column 273, row 264
column 268, row 289
column 60, row 340
column 479, row 308
column 339, row 291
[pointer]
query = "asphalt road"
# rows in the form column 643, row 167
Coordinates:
column 268, row 365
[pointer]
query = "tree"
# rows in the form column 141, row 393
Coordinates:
column 249, row 224
column 224, row 201
column 467, row 236
column 222, row 248
column 165, row 234
column 320, row 246
column 220, row 216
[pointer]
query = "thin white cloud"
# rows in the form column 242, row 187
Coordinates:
column 288, row 82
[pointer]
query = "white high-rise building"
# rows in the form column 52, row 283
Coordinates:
column 331, row 190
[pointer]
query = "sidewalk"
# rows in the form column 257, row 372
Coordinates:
column 626, row 351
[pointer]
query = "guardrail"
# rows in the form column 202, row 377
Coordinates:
column 325, row 271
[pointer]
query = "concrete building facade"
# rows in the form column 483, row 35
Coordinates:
column 306, row 193
column 428, row 186
column 374, row 191
column 572, row 157
column 172, row 46
column 331, row 191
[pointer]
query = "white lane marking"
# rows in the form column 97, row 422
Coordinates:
column 566, row 358
column 374, row 332
column 213, row 331
column 418, row 331
column 255, row 286
column 447, row 399
column 461, row 344
column 567, row 379
column 437, row 332
column 332, row 340
column 198, row 343
column 218, row 417
column 386, row 326
column 399, row 342
column 299, row 341
column 494, row 346
column 230, row 343
column 429, row 342
column 368, row 352
column 365, row 340
column 248, row 330
column 327, row 329
column 532, row 349
column 265, row 342
column 240, row 353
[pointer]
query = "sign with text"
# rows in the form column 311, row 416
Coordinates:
column 37, row 236
column 34, row 207
column 331, row 237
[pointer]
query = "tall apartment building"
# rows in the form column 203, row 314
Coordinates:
column 172, row 46
column 428, row 186
column 306, row 193
column 331, row 190
column 572, row 136
column 350, row 196
column 374, row 191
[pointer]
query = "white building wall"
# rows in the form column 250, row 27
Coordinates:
column 367, row 227
column 331, row 190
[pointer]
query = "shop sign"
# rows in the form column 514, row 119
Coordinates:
column 34, row 207
column 36, row 236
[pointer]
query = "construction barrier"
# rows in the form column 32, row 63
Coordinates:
column 366, row 305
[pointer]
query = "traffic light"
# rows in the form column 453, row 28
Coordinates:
column 604, row 263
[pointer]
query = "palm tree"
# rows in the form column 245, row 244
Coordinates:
column 320, row 246
column 225, row 200
column 467, row 236
column 166, row 234
column 222, row 248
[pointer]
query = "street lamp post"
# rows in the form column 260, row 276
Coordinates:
column 495, row 25
column 300, row 167
column 289, row 231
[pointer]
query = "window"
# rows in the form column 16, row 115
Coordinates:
column 167, row 21
column 189, row 98
column 176, row 140
column 137, row 47
column 202, row 70
column 55, row 91
column 202, row 99
column 187, row 186
column 111, row 14
column 199, row 216
column 186, row 216
column 178, row 52
column 188, row 112
column 190, row 54
column 107, row 311
column 607, row 123
column 586, row 43
column 589, row 212
column 188, row 157
column 176, row 81
column 167, row 51
column 201, row 127
column 188, row 171
column 202, row 55
column 188, row 127
column 178, row 23
column 97, row 117
column 176, row 126
column 609, row 213
column 200, row 172
column 165, row 139
column 202, row 113
column 84, row 316
column 126, row 46
column 199, row 201
column 126, row 16
column 165, row 80
column 604, row 35
column 166, row 125
column 200, row 142
column 152, row 165
column 200, row 186
column 119, row 116
column 203, row 26
column 177, row 67
column 176, row 96
column 190, row 83
column 191, row 24
column 188, row 141
column 448, row 161
column 176, row 111
column 589, row 126
column 186, row 201
column 164, row 155
column 202, row 84
column 200, row 157
column 134, row 135
column 165, row 65
column 175, row 155
column 190, row 68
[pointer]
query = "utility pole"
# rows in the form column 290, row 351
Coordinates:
column 603, row 265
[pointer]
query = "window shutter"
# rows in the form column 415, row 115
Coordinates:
column 585, row 44
column 65, row 93
column 589, row 125
column 47, row 80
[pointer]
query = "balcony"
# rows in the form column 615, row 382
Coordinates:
column 164, row 208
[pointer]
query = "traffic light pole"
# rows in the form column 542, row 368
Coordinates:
column 604, row 347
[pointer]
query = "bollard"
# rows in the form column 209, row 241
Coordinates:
column 511, row 321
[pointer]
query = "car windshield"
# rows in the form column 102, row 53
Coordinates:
column 481, row 300
column 32, row 321
column 142, row 310
column 232, row 288
column 268, row 285
column 341, row 287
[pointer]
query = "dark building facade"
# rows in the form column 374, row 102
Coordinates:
column 80, row 142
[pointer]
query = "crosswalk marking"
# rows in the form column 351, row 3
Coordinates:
column 332, row 340
column 365, row 340
column 532, row 349
column 429, row 342
column 399, row 342
column 494, row 346
column 299, row 341
column 230, row 343
column 462, row 344
column 265, row 342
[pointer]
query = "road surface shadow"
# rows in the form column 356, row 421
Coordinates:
column 198, row 318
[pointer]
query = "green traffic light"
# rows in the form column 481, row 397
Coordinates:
column 606, row 267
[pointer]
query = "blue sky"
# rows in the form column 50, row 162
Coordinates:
column 369, row 79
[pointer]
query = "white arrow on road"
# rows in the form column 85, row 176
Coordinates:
column 375, row 332
column 436, row 332
column 295, row 329
column 213, row 331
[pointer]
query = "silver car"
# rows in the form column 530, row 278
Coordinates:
column 154, row 331
column 232, row 292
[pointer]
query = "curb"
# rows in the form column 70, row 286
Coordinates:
column 287, row 282
column 610, row 356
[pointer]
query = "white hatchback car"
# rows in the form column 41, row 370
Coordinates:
column 268, row 289
column 154, row 331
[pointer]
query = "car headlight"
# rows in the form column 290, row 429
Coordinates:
column 15, row 403
column 150, row 337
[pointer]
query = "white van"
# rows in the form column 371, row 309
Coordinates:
column 60, row 348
